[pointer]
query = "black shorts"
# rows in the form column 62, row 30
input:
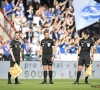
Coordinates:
column 84, row 59
column 17, row 61
column 46, row 60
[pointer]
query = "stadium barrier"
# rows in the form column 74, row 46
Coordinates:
column 61, row 70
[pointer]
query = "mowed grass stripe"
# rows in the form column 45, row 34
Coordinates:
column 60, row 84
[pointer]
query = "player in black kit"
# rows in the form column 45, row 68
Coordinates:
column 85, row 46
column 47, row 56
column 16, row 54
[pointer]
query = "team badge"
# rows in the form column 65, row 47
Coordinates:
column 88, row 44
column 43, row 44
column 49, row 44
column 82, row 44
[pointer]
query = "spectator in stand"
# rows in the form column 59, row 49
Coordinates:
column 19, row 12
column 33, row 47
column 1, row 52
column 98, row 46
column 72, row 49
column 49, row 14
column 7, row 9
column 30, row 16
column 26, row 50
column 25, row 29
column 37, row 19
column 17, row 23
column 37, row 1
column 36, row 31
column 57, row 51
column 13, row 9
column 38, row 48
column 6, row 49
column 1, row 40
column 21, row 5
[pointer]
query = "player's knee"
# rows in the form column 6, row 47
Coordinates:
column 79, row 68
column 50, row 68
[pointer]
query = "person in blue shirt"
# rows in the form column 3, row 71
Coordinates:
column 49, row 14
column 98, row 48
column 7, row 9
column 72, row 49
column 62, row 48
column 6, row 50
column 13, row 9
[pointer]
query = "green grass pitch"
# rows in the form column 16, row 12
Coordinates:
column 59, row 84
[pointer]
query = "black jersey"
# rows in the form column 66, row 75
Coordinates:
column 16, row 47
column 47, row 46
column 86, row 45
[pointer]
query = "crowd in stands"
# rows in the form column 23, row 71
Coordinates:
column 33, row 20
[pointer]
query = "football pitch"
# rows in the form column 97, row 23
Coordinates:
column 59, row 84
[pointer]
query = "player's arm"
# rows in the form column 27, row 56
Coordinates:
column 92, row 50
column 11, row 52
column 40, row 52
column 79, row 49
column 20, row 55
column 53, row 51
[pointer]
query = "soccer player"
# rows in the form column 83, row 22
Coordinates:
column 47, row 55
column 85, row 46
column 16, row 54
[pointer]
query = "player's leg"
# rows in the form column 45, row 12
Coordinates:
column 80, row 66
column 78, row 74
column 16, row 79
column 50, row 68
column 9, row 75
column 87, row 63
column 50, row 74
column 44, row 63
column 45, row 74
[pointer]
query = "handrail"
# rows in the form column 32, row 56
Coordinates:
column 5, row 31
column 11, row 26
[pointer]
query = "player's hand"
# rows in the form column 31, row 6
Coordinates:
column 52, row 59
column 13, row 59
column 92, row 58
column 40, row 59
column 21, row 59
column 78, row 58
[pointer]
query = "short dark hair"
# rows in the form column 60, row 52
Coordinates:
column 46, row 31
column 17, row 32
column 85, row 32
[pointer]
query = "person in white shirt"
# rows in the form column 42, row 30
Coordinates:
column 19, row 12
column 37, row 1
column 21, row 5
column 37, row 19
column 30, row 16
column 17, row 23
column 33, row 47
column 25, row 29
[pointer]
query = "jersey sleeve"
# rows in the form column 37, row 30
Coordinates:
column 92, row 42
column 80, row 42
column 52, row 43
column 11, row 44
column 41, row 43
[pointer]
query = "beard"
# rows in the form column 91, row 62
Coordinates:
column 17, row 39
